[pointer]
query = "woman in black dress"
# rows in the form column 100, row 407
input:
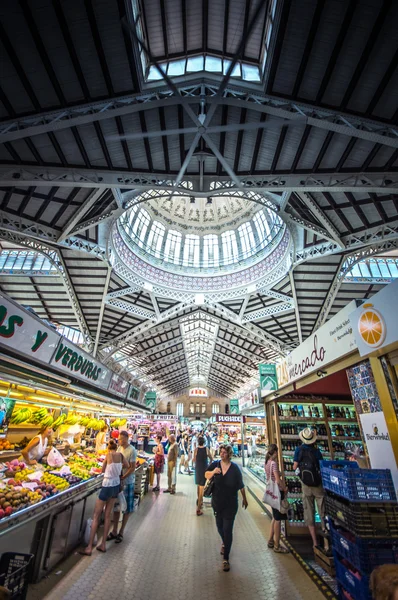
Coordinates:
column 201, row 460
column 227, row 482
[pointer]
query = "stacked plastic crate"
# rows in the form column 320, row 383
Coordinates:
column 362, row 511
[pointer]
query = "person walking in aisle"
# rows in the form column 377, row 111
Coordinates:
column 306, row 464
column 112, row 469
column 272, row 472
column 172, row 456
column 201, row 458
column 128, row 485
column 159, row 462
column 227, row 482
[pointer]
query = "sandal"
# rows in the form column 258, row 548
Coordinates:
column 281, row 550
column 225, row 565
column 100, row 549
column 199, row 512
column 83, row 553
column 119, row 538
column 270, row 544
column 111, row 537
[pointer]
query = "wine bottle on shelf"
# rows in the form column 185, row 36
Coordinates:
column 309, row 412
column 328, row 412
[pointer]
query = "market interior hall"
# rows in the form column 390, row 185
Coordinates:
column 198, row 289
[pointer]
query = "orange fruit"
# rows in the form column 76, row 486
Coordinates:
column 371, row 326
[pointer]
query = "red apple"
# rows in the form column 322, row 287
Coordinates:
column 2, row 513
column 8, row 511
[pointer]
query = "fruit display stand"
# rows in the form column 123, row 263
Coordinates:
column 47, row 521
column 337, row 429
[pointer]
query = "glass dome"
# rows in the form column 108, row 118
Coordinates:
column 201, row 235
column 180, row 246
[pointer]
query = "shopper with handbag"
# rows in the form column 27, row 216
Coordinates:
column 275, row 494
column 225, row 481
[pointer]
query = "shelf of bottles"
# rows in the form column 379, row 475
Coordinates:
column 337, row 430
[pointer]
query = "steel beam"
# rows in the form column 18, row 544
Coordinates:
column 369, row 182
column 328, row 119
column 131, row 308
column 102, row 310
column 346, row 264
column 86, row 205
column 320, row 215
column 383, row 234
column 12, row 228
column 296, row 307
column 267, row 311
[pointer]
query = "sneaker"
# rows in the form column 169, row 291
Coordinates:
column 166, row 491
column 225, row 565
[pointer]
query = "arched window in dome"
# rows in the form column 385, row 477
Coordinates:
column 155, row 238
column 210, row 251
column 172, row 248
column 263, row 228
column 140, row 226
column 229, row 247
column 191, row 256
column 247, row 239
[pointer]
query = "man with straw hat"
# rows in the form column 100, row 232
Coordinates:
column 306, row 464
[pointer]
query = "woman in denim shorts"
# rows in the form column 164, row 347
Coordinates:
column 112, row 469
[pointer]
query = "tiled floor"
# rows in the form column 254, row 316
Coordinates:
column 167, row 549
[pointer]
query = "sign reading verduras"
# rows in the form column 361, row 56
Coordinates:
column 74, row 361
column 330, row 342
column 21, row 331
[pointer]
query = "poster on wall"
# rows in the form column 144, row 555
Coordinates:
column 268, row 378
column 330, row 342
column 6, row 409
column 378, row 442
column 375, row 323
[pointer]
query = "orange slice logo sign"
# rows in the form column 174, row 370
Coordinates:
column 371, row 326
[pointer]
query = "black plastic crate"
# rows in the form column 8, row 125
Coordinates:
column 364, row 553
column 15, row 572
column 365, row 519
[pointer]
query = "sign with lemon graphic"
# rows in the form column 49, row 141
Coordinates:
column 375, row 323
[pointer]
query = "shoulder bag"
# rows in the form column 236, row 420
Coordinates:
column 209, row 486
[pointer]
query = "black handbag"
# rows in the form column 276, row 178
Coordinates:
column 209, row 485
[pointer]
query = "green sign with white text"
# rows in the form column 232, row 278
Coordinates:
column 234, row 406
column 150, row 400
column 268, row 378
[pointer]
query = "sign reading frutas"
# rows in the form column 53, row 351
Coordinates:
column 76, row 362
column 22, row 332
column 268, row 378
column 375, row 323
column 333, row 340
